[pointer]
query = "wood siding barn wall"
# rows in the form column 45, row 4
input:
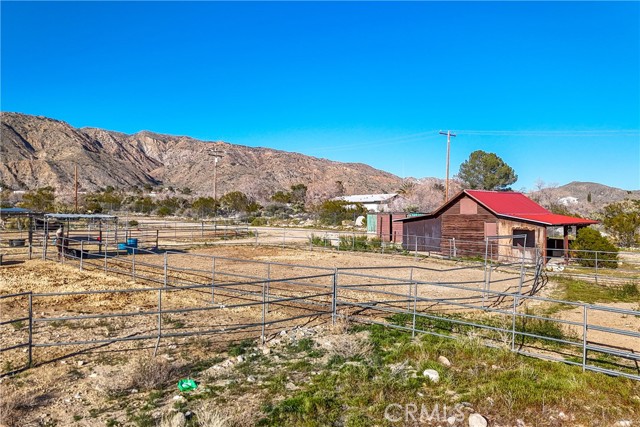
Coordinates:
column 467, row 229
column 396, row 227
column 387, row 230
column 427, row 232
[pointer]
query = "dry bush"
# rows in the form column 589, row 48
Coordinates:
column 208, row 414
column 349, row 347
column 340, row 327
column 14, row 404
column 149, row 373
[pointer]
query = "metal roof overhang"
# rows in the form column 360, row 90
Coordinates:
column 81, row 216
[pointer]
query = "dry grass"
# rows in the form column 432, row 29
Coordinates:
column 151, row 373
column 14, row 404
column 349, row 347
column 208, row 414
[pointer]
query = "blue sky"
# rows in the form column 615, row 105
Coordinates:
column 553, row 88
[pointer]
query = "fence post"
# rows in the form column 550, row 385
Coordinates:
column 30, row 356
column 284, row 233
column 157, row 238
column 213, row 279
column 415, row 254
column 202, row 229
column 165, row 270
column 81, row 255
column 455, row 250
column 268, row 285
column 584, row 337
column 334, row 296
column 106, row 250
column 596, row 267
column 133, row 264
column 415, row 303
column 513, row 322
column 155, row 350
column 264, row 313
column 353, row 242
column 410, row 285
column 256, row 238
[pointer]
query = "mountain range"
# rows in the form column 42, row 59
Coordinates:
column 38, row 151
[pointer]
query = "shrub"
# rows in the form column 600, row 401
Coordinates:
column 589, row 239
column 258, row 222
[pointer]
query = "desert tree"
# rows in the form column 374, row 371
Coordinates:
column 486, row 171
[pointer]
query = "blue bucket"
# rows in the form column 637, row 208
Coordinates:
column 122, row 246
column 132, row 242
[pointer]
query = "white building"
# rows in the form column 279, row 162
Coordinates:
column 372, row 202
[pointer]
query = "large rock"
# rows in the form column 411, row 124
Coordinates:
column 432, row 374
column 477, row 420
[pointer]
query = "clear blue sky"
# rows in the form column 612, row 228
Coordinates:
column 553, row 88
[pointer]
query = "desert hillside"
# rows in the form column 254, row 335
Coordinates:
column 38, row 151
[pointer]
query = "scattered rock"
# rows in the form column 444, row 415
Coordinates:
column 477, row 420
column 80, row 362
column 495, row 367
column 179, row 420
column 562, row 416
column 291, row 386
column 520, row 423
column 266, row 350
column 451, row 421
column 251, row 379
column 93, row 375
column 240, row 359
column 623, row 423
column 444, row 361
column 178, row 398
column 432, row 374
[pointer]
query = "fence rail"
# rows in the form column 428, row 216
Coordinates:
column 177, row 289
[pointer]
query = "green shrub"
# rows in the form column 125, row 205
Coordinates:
column 591, row 240
column 258, row 222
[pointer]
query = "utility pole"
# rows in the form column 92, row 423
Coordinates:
column 217, row 155
column 449, row 135
column 75, row 174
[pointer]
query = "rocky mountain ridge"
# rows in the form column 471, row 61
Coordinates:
column 37, row 151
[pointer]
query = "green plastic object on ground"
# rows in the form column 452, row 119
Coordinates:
column 187, row 384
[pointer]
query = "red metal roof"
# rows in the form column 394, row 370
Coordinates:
column 511, row 205
column 519, row 206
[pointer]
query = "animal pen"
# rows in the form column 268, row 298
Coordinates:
column 174, row 296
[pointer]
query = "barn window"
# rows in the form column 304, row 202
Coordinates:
column 468, row 207
column 490, row 229
column 519, row 241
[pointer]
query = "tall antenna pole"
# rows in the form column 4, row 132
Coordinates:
column 449, row 135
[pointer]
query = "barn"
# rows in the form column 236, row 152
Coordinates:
column 507, row 225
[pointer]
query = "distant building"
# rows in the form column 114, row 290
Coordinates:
column 372, row 202
column 464, row 223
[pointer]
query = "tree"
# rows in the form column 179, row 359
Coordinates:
column 589, row 239
column 333, row 212
column 41, row 200
column 486, row 171
column 204, row 206
column 236, row 201
column 622, row 221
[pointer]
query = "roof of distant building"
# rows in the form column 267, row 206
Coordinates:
column 367, row 198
